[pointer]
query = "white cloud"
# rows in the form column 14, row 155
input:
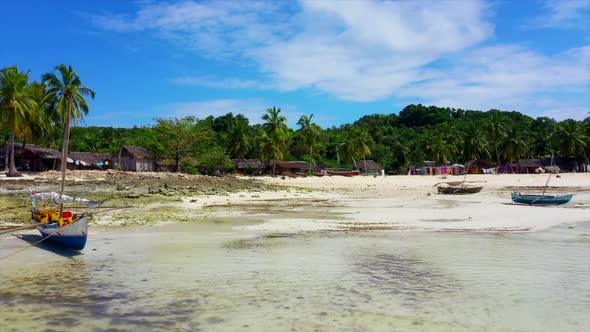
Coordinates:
column 512, row 78
column 371, row 50
column 215, row 28
column 567, row 14
column 366, row 50
column 356, row 50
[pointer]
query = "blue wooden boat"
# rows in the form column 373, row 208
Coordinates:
column 540, row 199
column 66, row 229
column 72, row 236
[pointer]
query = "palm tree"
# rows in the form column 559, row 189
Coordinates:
column 309, row 133
column 277, row 130
column 357, row 145
column 439, row 149
column 569, row 136
column 238, row 143
column 65, row 95
column 474, row 144
column 269, row 149
column 38, row 125
column 452, row 136
column 17, row 108
column 495, row 130
column 514, row 146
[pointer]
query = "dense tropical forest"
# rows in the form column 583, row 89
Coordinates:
column 33, row 112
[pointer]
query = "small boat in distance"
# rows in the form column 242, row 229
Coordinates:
column 461, row 190
column 458, row 187
column 540, row 199
column 347, row 172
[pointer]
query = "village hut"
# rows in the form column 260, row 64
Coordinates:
column 567, row 164
column 167, row 165
column 528, row 165
column 135, row 158
column 481, row 166
column 88, row 160
column 248, row 166
column 369, row 166
column 290, row 167
column 32, row 158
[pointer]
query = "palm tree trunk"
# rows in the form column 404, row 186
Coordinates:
column 64, row 153
column 6, row 158
column 11, row 166
column 310, row 154
column 274, row 166
column 177, row 163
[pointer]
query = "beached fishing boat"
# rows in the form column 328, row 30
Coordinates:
column 458, row 187
column 66, row 229
column 343, row 172
column 464, row 190
column 532, row 199
column 540, row 199
column 57, row 225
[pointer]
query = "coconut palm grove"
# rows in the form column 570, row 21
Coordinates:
column 32, row 112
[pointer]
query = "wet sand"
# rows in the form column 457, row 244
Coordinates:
column 362, row 203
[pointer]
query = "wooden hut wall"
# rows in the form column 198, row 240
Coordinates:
column 129, row 162
column 126, row 161
column 145, row 165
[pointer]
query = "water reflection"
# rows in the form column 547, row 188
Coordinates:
column 411, row 280
column 208, row 277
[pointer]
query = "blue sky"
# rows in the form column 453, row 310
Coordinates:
column 337, row 59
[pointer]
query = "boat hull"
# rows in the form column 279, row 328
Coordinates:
column 540, row 199
column 458, row 190
column 72, row 236
column 343, row 173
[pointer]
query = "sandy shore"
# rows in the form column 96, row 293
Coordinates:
column 362, row 203
column 411, row 203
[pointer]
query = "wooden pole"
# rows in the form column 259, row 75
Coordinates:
column 19, row 228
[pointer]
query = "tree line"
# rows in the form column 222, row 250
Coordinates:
column 33, row 112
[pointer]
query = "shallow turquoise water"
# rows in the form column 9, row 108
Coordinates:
column 207, row 276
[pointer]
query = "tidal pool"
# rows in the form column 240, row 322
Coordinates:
column 209, row 276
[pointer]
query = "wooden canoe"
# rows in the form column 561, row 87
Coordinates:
column 343, row 173
column 450, row 190
column 540, row 199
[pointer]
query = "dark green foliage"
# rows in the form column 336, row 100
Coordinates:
column 418, row 133
column 214, row 160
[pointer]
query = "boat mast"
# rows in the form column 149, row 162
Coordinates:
column 551, row 172
column 64, row 153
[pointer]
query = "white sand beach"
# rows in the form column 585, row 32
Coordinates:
column 394, row 203
column 361, row 203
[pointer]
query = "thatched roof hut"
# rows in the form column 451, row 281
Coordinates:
column 528, row 165
column 481, row 163
column 284, row 167
column 32, row 158
column 136, row 158
column 568, row 164
column 245, row 164
column 88, row 160
column 369, row 166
